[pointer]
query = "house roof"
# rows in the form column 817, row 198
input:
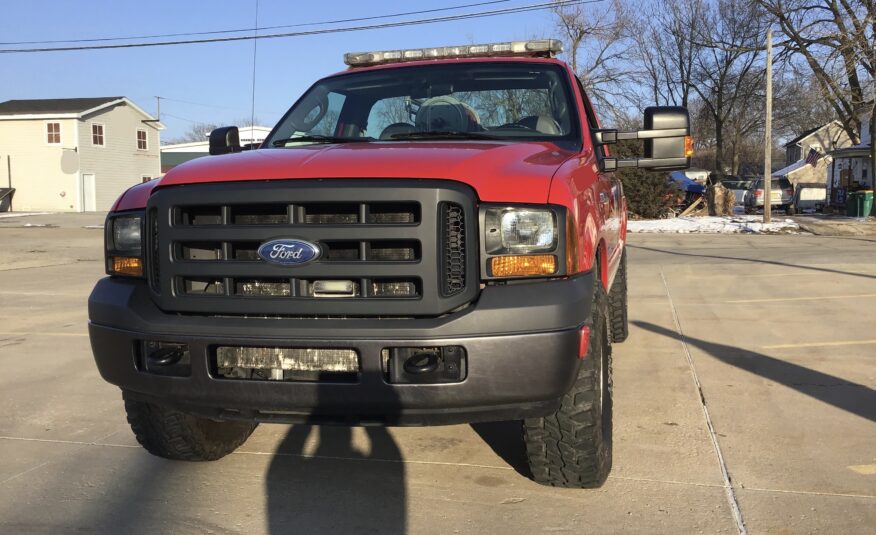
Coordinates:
column 803, row 135
column 53, row 105
column 790, row 169
column 66, row 108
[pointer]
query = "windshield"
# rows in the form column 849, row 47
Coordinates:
column 505, row 101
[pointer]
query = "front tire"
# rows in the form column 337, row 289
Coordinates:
column 572, row 447
column 180, row 436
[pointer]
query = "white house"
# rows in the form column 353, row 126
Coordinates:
column 177, row 153
column 75, row 154
column 819, row 142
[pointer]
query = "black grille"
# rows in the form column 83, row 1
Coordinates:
column 453, row 249
column 388, row 248
column 152, row 250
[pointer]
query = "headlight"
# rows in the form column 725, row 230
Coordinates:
column 520, row 230
column 124, row 245
column 523, row 241
column 126, row 233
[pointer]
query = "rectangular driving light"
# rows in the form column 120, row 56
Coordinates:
column 130, row 266
column 289, row 359
column 523, row 265
column 532, row 48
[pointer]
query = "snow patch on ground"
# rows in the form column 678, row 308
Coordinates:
column 5, row 215
column 737, row 224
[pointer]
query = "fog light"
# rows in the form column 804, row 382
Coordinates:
column 290, row 359
column 131, row 266
column 523, row 265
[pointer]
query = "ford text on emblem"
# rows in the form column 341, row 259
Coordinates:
column 288, row 252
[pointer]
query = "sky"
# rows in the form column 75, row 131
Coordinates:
column 212, row 82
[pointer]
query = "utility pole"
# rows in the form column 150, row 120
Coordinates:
column 768, row 142
column 158, row 108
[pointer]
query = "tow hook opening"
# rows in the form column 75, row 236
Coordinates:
column 164, row 358
column 424, row 365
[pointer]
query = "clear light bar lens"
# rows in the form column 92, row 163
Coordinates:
column 536, row 47
column 291, row 359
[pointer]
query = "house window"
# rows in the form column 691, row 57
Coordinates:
column 53, row 133
column 145, row 178
column 141, row 140
column 97, row 134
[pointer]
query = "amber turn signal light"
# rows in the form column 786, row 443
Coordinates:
column 130, row 266
column 523, row 265
column 688, row 146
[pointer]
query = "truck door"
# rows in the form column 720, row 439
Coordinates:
column 609, row 196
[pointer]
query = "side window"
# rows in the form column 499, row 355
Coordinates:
column 53, row 133
column 601, row 150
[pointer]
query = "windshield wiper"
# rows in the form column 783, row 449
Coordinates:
column 318, row 138
column 444, row 135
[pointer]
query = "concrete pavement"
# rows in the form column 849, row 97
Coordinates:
column 790, row 400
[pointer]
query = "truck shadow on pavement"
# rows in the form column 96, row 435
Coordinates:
column 506, row 441
column 851, row 397
column 337, row 488
column 754, row 260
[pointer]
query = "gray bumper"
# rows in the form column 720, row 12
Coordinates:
column 521, row 341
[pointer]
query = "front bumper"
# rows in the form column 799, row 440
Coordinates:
column 521, row 340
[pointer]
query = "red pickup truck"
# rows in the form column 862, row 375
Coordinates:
column 433, row 236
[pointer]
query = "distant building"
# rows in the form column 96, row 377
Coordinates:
column 75, row 154
column 851, row 168
column 807, row 156
column 177, row 153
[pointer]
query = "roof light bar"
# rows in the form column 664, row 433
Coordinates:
column 534, row 48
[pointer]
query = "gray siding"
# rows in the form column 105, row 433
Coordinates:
column 118, row 164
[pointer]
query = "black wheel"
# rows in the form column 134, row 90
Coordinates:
column 618, row 326
column 572, row 447
column 176, row 435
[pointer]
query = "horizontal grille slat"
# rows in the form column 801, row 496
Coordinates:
column 382, row 248
column 316, row 269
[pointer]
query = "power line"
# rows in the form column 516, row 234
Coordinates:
column 240, row 30
column 255, row 48
column 417, row 22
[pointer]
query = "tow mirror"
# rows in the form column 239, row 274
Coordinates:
column 667, row 142
column 224, row 140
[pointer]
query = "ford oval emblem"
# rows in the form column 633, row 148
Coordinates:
column 288, row 252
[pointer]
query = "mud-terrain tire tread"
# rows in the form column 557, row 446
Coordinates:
column 572, row 447
column 176, row 435
column 618, row 327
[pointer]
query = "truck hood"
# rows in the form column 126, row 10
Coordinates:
column 498, row 171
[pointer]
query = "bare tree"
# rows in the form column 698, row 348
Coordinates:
column 599, row 46
column 836, row 40
column 729, row 70
column 665, row 52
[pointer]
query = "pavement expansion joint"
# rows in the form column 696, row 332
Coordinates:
column 728, row 487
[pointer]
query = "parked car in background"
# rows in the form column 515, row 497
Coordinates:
column 809, row 196
column 738, row 186
column 781, row 195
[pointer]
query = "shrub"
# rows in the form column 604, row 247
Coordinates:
column 648, row 194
